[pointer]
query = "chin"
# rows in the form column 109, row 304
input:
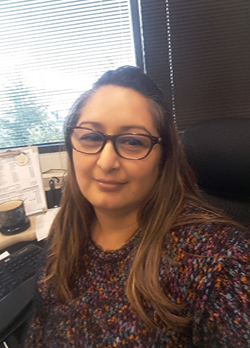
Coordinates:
column 107, row 206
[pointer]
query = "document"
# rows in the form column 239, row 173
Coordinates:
column 43, row 223
column 21, row 178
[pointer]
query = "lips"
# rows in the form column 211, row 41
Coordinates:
column 111, row 182
column 109, row 185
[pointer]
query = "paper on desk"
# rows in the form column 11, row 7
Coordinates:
column 23, row 181
column 43, row 223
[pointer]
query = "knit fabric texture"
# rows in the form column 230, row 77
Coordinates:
column 210, row 274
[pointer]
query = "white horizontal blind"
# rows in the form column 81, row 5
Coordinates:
column 50, row 52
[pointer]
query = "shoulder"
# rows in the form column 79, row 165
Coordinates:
column 210, row 237
column 207, row 252
column 212, row 275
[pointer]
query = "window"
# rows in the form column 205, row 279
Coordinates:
column 199, row 53
column 51, row 52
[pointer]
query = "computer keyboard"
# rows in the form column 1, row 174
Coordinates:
column 17, row 280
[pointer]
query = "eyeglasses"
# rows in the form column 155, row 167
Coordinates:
column 132, row 146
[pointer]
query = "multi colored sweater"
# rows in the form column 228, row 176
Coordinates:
column 211, row 276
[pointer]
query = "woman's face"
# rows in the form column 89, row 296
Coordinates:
column 106, row 180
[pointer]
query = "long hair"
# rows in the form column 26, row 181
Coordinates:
column 159, row 213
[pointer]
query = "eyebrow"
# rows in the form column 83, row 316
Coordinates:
column 98, row 125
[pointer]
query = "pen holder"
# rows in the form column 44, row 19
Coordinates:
column 13, row 218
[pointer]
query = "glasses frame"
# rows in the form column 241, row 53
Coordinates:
column 154, row 140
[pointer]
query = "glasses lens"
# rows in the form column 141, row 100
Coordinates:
column 133, row 146
column 86, row 140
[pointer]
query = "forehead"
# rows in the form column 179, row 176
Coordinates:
column 113, row 107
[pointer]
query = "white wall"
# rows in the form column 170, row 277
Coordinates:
column 53, row 165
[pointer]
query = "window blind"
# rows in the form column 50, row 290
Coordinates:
column 199, row 53
column 51, row 52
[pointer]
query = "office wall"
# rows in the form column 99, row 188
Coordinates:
column 53, row 165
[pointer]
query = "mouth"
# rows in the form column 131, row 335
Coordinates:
column 109, row 185
column 111, row 182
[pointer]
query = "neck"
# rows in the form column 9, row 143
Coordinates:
column 111, row 230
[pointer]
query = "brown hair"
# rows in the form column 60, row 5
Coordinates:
column 157, row 216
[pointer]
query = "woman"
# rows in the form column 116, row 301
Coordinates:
column 135, row 257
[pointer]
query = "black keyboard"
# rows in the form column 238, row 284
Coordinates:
column 17, row 280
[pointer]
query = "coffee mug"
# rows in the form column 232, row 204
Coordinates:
column 13, row 218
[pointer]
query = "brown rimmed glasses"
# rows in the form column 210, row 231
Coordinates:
column 133, row 146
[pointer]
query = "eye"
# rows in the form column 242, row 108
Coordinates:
column 130, row 141
column 87, row 139
column 91, row 137
column 134, row 141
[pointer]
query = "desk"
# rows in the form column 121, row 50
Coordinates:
column 39, row 228
column 25, row 236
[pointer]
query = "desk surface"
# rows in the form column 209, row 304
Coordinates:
column 39, row 228
column 28, row 235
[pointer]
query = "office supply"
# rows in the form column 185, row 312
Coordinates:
column 13, row 218
column 17, row 280
column 53, row 195
column 26, row 236
column 21, row 178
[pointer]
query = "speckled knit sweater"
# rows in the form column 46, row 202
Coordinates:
column 211, row 276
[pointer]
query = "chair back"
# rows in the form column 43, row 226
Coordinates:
column 219, row 153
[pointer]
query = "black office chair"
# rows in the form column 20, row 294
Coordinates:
column 219, row 152
column 14, row 334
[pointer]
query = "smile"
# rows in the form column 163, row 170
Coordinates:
column 109, row 185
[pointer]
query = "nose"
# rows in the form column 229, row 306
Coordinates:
column 108, row 158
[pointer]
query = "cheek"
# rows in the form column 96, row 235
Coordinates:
column 76, row 164
column 148, row 175
column 82, row 167
column 151, row 177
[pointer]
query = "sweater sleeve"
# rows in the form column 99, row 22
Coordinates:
column 222, row 317
column 35, row 331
